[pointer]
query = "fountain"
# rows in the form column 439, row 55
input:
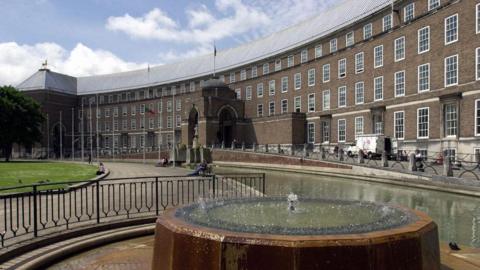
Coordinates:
column 271, row 233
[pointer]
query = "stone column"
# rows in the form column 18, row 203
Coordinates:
column 384, row 159
column 412, row 165
column 361, row 157
column 447, row 166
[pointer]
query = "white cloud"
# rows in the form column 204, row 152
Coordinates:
column 242, row 21
column 18, row 62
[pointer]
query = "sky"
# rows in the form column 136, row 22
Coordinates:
column 92, row 37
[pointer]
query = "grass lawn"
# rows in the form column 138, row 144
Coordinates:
column 25, row 173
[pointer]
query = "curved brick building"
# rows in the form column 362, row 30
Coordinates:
column 407, row 69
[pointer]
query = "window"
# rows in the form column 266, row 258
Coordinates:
column 260, row 90
column 400, row 83
column 284, row 87
column 179, row 104
column 133, row 109
column 358, row 126
column 450, row 120
column 238, row 93
column 290, row 61
column 378, row 86
column 124, row 110
column 297, row 104
column 133, row 124
column 342, row 68
column 409, row 12
column 192, row 86
column 311, row 132
column 266, row 68
column 248, row 93
column 311, row 103
column 115, row 112
column 304, row 56
column 271, row 88
column 254, row 72
column 284, row 107
column 378, row 56
column 477, row 117
column 271, row 108
column 432, row 4
column 424, row 40
column 159, row 122
column 477, row 63
column 422, row 123
column 232, row 77
column 451, row 70
column 325, row 132
column 169, row 122
column 451, row 29
column 477, row 18
column 399, row 125
column 326, row 73
column 243, row 75
column 311, row 77
column 349, row 39
column 115, row 124
column 297, row 80
column 259, row 110
column 359, row 62
column 333, row 45
column 159, row 106
column 318, row 51
column 142, row 109
column 387, row 22
column 278, row 65
column 169, row 106
column 399, row 49
column 342, row 96
column 424, row 78
column 326, row 100
column 359, row 93
column 367, row 31
column 151, row 123
column 342, row 130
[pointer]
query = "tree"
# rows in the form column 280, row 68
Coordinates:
column 20, row 120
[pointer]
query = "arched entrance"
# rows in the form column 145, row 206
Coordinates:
column 226, row 126
column 192, row 125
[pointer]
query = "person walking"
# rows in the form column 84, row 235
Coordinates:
column 89, row 159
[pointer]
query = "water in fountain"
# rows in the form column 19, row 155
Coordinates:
column 316, row 216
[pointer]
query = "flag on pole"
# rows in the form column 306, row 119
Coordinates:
column 150, row 111
column 214, row 49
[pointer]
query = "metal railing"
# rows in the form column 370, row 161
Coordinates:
column 42, row 209
column 429, row 163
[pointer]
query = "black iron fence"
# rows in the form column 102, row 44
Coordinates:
column 42, row 209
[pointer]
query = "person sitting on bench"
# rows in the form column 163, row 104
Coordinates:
column 201, row 168
column 101, row 169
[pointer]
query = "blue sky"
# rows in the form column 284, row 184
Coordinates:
column 102, row 36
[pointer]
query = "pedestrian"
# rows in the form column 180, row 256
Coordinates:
column 101, row 169
column 89, row 159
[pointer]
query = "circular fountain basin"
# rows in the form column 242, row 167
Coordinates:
column 262, row 233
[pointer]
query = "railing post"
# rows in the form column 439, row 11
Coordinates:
column 35, row 213
column 98, row 201
column 214, row 192
column 157, row 211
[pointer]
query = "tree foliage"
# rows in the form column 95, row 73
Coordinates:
column 20, row 120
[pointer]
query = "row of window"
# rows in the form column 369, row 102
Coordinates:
column 451, row 35
column 133, row 124
column 132, row 142
column 450, row 112
column 134, row 109
column 423, row 84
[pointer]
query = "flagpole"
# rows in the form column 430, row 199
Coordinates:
column 61, row 141
column 174, row 125
column 113, row 136
column 96, row 127
column 48, row 137
column 81, row 133
column 214, row 57
column 144, row 137
column 90, row 127
column 73, row 134
column 160, row 131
